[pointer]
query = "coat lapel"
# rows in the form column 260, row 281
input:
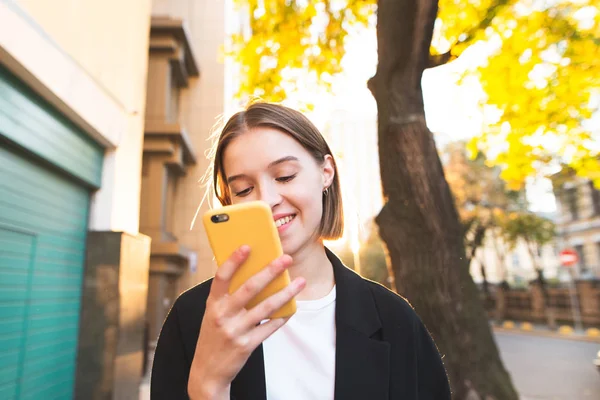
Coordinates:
column 362, row 364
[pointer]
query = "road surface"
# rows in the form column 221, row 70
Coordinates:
column 544, row 368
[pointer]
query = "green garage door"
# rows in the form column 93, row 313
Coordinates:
column 47, row 171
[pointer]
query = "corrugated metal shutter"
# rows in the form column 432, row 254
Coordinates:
column 28, row 121
column 44, row 205
column 43, row 220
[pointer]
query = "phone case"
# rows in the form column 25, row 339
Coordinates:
column 252, row 224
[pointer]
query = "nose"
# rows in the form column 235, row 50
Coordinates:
column 269, row 193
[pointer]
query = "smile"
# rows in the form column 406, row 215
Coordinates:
column 284, row 221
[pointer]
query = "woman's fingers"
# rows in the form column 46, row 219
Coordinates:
column 271, row 304
column 256, row 283
column 222, row 279
column 228, row 335
column 263, row 331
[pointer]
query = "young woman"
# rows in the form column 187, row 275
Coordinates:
column 349, row 339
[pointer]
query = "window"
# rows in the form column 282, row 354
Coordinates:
column 571, row 198
column 597, row 257
column 581, row 254
column 515, row 260
column 595, row 198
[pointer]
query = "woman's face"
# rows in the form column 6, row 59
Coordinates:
column 269, row 165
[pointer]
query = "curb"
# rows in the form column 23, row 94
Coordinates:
column 566, row 332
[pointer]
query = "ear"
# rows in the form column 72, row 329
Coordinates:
column 328, row 171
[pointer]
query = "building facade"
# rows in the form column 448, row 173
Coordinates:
column 514, row 265
column 105, row 111
column 578, row 222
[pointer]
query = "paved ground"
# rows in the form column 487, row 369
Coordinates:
column 545, row 368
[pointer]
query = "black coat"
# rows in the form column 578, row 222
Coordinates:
column 383, row 350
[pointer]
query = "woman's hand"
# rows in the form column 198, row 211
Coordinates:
column 230, row 333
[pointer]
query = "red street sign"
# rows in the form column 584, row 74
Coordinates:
column 568, row 257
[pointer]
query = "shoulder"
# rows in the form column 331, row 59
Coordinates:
column 193, row 300
column 185, row 318
column 388, row 299
column 393, row 308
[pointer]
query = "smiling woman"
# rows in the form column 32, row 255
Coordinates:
column 292, row 184
column 349, row 336
column 284, row 143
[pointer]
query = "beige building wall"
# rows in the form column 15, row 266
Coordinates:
column 517, row 266
column 201, row 104
column 582, row 231
column 108, row 39
column 352, row 136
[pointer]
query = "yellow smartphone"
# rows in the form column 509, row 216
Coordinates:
column 251, row 224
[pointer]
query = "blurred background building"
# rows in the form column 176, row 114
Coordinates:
column 498, row 262
column 578, row 222
column 352, row 136
column 105, row 111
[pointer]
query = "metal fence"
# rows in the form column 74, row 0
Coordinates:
column 551, row 305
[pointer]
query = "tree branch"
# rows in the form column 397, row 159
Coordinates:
column 436, row 60
column 477, row 240
column 487, row 20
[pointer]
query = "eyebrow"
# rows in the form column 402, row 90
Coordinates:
column 271, row 165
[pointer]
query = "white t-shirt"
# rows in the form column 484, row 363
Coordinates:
column 300, row 356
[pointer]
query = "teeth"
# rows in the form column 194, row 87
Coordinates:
column 283, row 221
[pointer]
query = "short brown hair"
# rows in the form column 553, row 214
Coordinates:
column 295, row 124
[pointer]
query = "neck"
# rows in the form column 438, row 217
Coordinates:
column 311, row 263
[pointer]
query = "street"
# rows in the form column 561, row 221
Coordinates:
column 545, row 368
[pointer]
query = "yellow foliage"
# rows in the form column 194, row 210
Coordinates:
column 285, row 39
column 461, row 23
column 541, row 78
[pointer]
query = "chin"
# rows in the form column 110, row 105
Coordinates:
column 292, row 244
column 289, row 248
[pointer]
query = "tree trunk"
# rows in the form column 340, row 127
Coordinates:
column 419, row 222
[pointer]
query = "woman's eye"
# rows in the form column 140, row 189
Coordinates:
column 243, row 193
column 286, row 178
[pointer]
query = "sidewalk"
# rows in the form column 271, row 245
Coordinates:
column 563, row 332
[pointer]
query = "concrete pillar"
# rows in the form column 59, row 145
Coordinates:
column 538, row 303
column 500, row 303
column 167, row 156
column 111, row 348
column 589, row 300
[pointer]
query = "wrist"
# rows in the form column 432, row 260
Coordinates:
column 209, row 391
